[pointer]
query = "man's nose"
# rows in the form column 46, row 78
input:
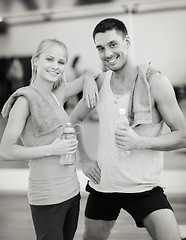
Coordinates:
column 108, row 53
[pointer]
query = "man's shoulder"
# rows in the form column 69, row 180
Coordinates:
column 153, row 73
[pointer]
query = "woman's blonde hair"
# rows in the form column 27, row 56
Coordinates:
column 45, row 44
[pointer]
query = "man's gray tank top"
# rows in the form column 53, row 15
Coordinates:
column 138, row 172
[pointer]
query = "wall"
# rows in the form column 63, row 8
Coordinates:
column 160, row 38
column 157, row 37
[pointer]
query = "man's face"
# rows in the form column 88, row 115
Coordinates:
column 112, row 48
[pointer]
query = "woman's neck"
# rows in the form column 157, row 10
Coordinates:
column 42, row 86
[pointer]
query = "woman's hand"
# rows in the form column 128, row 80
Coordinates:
column 90, row 89
column 63, row 146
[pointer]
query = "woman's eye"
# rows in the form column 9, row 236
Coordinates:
column 62, row 63
column 49, row 59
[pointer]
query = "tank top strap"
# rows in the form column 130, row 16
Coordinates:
column 106, row 81
column 55, row 99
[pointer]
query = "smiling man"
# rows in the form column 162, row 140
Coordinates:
column 132, row 182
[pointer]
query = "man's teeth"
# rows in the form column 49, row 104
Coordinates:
column 112, row 60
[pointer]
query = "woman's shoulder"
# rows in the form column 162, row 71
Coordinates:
column 21, row 104
column 17, row 97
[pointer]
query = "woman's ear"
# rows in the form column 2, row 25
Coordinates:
column 35, row 61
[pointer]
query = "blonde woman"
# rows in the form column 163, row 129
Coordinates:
column 36, row 115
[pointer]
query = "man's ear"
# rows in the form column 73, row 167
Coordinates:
column 128, row 41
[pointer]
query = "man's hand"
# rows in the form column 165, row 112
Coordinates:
column 127, row 139
column 92, row 171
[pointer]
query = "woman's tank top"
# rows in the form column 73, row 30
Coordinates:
column 49, row 181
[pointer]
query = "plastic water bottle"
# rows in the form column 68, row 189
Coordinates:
column 68, row 133
column 122, row 123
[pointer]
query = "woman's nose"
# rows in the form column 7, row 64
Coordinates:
column 55, row 65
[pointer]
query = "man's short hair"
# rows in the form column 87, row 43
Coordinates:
column 110, row 24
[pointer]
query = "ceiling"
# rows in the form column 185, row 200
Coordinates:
column 25, row 11
column 11, row 6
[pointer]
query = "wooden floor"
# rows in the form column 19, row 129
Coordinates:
column 16, row 222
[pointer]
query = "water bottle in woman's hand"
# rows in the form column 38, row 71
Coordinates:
column 68, row 133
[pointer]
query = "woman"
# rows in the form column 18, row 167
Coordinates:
column 36, row 115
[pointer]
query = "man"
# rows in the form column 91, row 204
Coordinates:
column 130, row 182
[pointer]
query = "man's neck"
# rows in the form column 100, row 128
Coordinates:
column 122, row 80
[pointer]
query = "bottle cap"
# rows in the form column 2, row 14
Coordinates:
column 69, row 124
column 122, row 111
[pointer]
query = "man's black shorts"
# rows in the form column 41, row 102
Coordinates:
column 107, row 206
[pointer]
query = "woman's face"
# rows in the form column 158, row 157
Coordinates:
column 51, row 63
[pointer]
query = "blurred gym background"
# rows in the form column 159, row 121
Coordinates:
column 158, row 32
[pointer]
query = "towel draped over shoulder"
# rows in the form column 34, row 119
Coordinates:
column 140, row 109
column 43, row 114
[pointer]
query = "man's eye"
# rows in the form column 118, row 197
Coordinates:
column 100, row 49
column 113, row 45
